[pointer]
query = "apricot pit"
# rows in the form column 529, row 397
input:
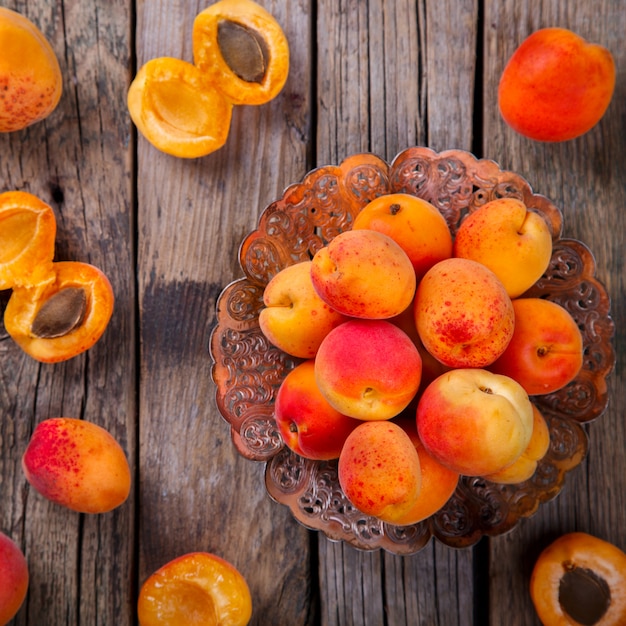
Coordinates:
column 243, row 49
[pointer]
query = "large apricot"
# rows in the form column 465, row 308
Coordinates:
column 196, row 589
column 77, row 464
column 30, row 76
column 556, row 86
column 579, row 580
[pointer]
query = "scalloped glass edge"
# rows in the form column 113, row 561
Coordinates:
column 310, row 489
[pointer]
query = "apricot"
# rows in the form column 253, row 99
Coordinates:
column 474, row 422
column 195, row 589
column 463, row 314
column 368, row 369
column 308, row 424
column 176, row 111
column 63, row 317
column 414, row 224
column 241, row 50
column 30, row 77
column 546, row 350
column 77, row 464
column 27, row 238
column 514, row 242
column 379, row 470
column 580, row 579
column 556, row 86
column 438, row 483
column 295, row 319
column 364, row 274
column 14, row 579
column 525, row 466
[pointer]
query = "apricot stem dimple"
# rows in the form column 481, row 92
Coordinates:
column 244, row 50
column 394, row 208
column 583, row 595
column 61, row 313
column 486, row 390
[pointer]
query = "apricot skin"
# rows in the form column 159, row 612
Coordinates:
column 556, row 86
column 77, row 464
column 463, row 314
column 368, row 369
column 546, row 350
column 30, row 77
column 364, row 274
column 379, row 470
column 13, row 579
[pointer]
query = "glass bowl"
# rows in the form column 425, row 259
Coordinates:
column 248, row 370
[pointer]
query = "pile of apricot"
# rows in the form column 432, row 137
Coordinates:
column 420, row 352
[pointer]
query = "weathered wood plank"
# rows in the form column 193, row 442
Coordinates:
column 196, row 492
column 77, row 160
column 387, row 79
column 584, row 177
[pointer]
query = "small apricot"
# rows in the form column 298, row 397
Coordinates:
column 77, row 464
column 13, row 579
column 196, row 589
column 30, row 77
column 580, row 579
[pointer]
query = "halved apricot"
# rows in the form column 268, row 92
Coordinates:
column 27, row 235
column 578, row 580
column 242, row 50
column 196, row 589
column 176, row 111
column 65, row 316
column 30, row 77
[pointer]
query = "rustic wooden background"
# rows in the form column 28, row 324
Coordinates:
column 366, row 75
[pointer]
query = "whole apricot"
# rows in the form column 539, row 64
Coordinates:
column 77, row 464
column 30, row 76
column 546, row 350
column 368, row 369
column 294, row 318
column 379, row 470
column 307, row 422
column 463, row 313
column 13, row 578
column 580, row 579
column 474, row 422
column 514, row 242
column 365, row 274
column 414, row 224
column 195, row 589
column 556, row 86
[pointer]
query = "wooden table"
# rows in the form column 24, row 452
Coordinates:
column 375, row 75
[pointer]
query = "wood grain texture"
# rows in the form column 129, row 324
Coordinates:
column 374, row 75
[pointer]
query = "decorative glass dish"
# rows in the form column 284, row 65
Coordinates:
column 248, row 370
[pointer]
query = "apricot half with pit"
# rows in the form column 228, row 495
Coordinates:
column 580, row 579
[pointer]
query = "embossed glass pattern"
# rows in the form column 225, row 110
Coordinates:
column 248, row 370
